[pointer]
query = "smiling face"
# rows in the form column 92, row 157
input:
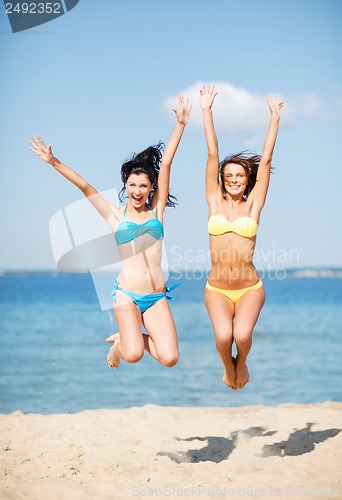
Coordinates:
column 235, row 180
column 138, row 188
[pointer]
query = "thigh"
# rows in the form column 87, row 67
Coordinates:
column 247, row 310
column 128, row 317
column 161, row 328
column 221, row 312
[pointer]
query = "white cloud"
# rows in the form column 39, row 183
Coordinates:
column 237, row 110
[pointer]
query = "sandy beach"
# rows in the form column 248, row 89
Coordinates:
column 286, row 451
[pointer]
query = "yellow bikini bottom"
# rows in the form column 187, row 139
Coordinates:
column 234, row 295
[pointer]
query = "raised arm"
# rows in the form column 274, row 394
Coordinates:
column 182, row 114
column 259, row 192
column 207, row 96
column 45, row 153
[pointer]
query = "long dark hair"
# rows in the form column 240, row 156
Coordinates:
column 147, row 162
column 250, row 163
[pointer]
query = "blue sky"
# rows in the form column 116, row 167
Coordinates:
column 98, row 84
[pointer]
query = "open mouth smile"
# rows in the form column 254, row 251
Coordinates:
column 137, row 199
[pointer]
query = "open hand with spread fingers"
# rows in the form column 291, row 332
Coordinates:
column 183, row 112
column 38, row 147
column 274, row 106
column 207, row 96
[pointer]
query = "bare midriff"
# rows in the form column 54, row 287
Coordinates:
column 141, row 270
column 232, row 261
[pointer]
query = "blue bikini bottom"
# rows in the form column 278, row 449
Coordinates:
column 144, row 301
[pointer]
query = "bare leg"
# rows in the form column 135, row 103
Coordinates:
column 149, row 346
column 221, row 313
column 247, row 310
column 130, row 344
column 161, row 342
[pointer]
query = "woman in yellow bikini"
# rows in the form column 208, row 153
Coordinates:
column 236, row 191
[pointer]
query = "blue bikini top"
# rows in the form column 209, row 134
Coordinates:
column 128, row 231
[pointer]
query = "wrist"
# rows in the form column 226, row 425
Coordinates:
column 54, row 162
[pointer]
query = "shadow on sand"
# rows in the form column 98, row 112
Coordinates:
column 218, row 449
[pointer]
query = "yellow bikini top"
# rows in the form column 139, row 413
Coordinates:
column 243, row 226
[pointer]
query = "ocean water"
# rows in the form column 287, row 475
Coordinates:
column 53, row 350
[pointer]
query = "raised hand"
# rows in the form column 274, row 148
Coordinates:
column 274, row 106
column 207, row 96
column 184, row 110
column 38, row 147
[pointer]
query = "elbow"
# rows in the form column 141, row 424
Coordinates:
column 85, row 188
column 167, row 160
column 213, row 155
column 213, row 151
column 212, row 148
column 266, row 162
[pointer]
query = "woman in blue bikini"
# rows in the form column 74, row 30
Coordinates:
column 139, row 294
column 236, row 191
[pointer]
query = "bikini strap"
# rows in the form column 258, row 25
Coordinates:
column 170, row 288
column 149, row 206
column 115, row 288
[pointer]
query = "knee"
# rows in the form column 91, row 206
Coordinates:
column 132, row 355
column 242, row 336
column 223, row 338
column 169, row 359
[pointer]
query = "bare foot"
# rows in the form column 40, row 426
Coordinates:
column 229, row 376
column 112, row 338
column 242, row 375
column 113, row 359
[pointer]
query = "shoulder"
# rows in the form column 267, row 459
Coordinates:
column 116, row 212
